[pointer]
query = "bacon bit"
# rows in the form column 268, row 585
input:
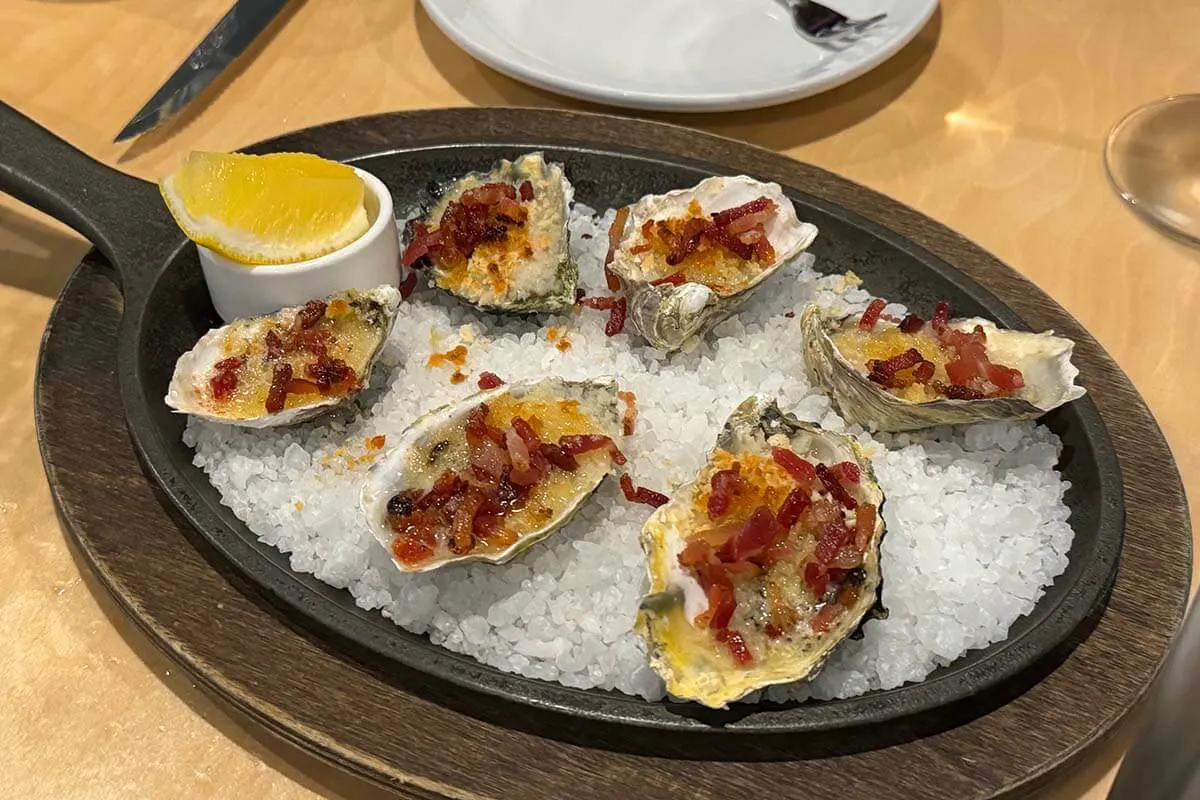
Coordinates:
column 737, row 646
column 801, row 471
column 675, row 279
column 726, row 483
column 330, row 372
column 457, row 356
column 274, row 346
column 616, row 319
column 721, row 600
column 552, row 333
column 824, row 619
column 751, row 222
column 411, row 550
column 564, row 344
column 617, row 308
column 847, row 557
column 793, row 506
column 723, row 218
column 637, row 250
column 1006, row 379
column 834, row 487
column 697, row 551
column 847, row 472
column 489, row 194
column 833, row 537
column 816, row 578
column 277, row 394
column 446, row 486
column 298, row 505
column 790, row 314
column 311, row 314
column 526, row 192
column 423, row 240
column 756, row 534
column 629, row 418
column 462, row 537
column 923, row 372
column 614, row 240
column 408, row 285
column 641, row 494
column 731, row 243
column 941, row 315
column 599, row 303
column 489, row 380
column 911, row 324
column 847, row 595
column 955, row 392
column 689, row 239
column 778, row 551
column 586, row 442
column 884, row 372
column 224, row 381
column 864, row 526
column 376, row 442
column 871, row 315
column 558, row 457
column 457, row 377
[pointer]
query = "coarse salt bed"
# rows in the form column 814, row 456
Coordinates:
column 977, row 526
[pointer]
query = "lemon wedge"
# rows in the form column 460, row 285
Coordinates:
column 272, row 209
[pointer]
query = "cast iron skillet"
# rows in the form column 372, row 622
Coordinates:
column 611, row 161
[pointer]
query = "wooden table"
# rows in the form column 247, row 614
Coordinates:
column 992, row 122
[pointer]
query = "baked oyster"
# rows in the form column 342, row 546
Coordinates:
column 911, row 374
column 765, row 562
column 286, row 367
column 486, row 477
column 499, row 239
column 688, row 258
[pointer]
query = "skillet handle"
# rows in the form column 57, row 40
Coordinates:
column 123, row 216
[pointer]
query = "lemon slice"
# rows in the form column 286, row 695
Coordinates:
column 272, row 209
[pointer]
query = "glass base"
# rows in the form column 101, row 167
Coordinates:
column 1153, row 160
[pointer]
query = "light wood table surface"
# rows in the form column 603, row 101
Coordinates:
column 991, row 122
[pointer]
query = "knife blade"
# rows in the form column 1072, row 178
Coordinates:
column 226, row 41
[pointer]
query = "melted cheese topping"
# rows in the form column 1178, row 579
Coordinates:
column 352, row 339
column 858, row 347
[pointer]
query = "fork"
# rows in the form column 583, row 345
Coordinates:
column 822, row 23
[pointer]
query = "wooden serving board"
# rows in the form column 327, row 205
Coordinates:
column 426, row 739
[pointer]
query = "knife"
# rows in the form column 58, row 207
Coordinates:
column 225, row 42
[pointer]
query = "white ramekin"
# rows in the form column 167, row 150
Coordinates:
column 238, row 290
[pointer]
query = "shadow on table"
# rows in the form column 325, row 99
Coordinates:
column 36, row 256
column 778, row 128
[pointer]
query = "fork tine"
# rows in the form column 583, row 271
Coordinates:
column 858, row 26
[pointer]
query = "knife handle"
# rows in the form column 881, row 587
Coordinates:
column 123, row 216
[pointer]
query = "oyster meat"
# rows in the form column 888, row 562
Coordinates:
column 488, row 476
column 499, row 240
column 915, row 374
column 688, row 258
column 285, row 367
column 765, row 562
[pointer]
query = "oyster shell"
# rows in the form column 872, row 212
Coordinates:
column 523, row 264
column 668, row 315
column 1043, row 359
column 695, row 662
column 436, row 445
column 353, row 326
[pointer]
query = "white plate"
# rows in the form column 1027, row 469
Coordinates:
column 671, row 55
